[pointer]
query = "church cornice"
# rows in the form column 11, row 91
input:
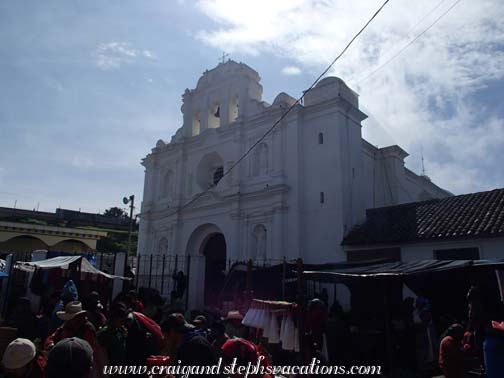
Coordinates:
column 335, row 105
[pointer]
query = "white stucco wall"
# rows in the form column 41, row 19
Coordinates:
column 492, row 248
column 279, row 184
column 488, row 248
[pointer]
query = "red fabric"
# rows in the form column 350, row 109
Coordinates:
column 244, row 350
column 76, row 327
column 39, row 367
column 158, row 361
column 152, row 326
column 139, row 306
column 239, row 348
column 451, row 358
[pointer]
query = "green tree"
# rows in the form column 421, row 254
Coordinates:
column 116, row 212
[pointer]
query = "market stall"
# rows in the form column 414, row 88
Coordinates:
column 65, row 263
column 379, row 310
column 40, row 280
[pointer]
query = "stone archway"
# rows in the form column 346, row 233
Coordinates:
column 207, row 250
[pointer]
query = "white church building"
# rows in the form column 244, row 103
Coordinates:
column 298, row 192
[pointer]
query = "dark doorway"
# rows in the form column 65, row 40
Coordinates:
column 215, row 268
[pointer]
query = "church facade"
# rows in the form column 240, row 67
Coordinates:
column 297, row 193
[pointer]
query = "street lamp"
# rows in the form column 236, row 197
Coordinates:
column 131, row 201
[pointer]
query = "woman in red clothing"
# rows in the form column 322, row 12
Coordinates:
column 76, row 324
column 451, row 354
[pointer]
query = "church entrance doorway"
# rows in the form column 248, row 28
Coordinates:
column 214, row 251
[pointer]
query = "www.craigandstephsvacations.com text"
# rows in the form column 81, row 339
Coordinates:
column 233, row 369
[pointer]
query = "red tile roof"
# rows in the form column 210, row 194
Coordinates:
column 468, row 216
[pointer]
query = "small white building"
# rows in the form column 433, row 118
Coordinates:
column 296, row 194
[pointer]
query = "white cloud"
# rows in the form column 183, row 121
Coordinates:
column 427, row 96
column 113, row 55
column 291, row 71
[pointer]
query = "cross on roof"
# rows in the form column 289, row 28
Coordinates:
column 223, row 58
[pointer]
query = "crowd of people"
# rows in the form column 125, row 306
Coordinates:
column 78, row 337
column 81, row 338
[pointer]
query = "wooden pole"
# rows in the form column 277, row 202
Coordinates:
column 284, row 276
column 163, row 274
column 248, row 282
column 187, row 281
column 301, row 305
column 388, row 330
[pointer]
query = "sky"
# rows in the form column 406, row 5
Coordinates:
column 87, row 87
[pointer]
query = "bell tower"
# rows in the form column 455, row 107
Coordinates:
column 228, row 92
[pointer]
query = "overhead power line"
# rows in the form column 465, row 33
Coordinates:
column 411, row 41
column 235, row 164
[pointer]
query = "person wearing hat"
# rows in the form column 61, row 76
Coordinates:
column 76, row 324
column 72, row 357
column 21, row 360
column 183, row 342
column 233, row 324
column 68, row 294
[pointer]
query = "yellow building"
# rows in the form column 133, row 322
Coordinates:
column 25, row 237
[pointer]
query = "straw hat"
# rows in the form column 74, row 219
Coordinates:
column 72, row 309
column 232, row 315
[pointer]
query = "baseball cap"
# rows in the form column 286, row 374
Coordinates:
column 18, row 353
column 71, row 357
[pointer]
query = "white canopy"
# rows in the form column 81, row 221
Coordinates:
column 63, row 262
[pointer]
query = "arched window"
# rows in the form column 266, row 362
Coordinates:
column 214, row 118
column 321, row 138
column 233, row 109
column 196, row 124
column 218, row 173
